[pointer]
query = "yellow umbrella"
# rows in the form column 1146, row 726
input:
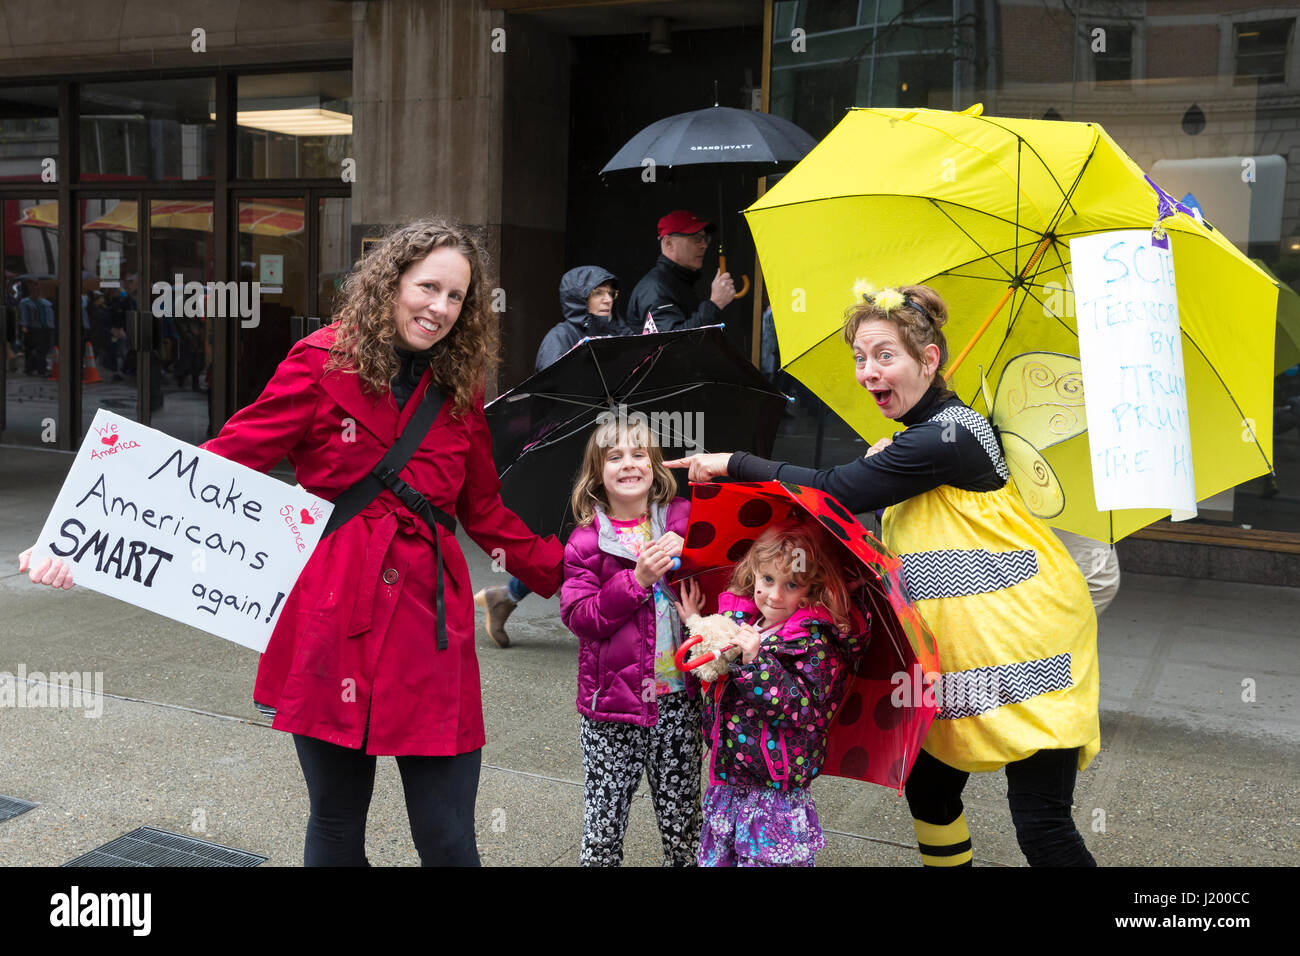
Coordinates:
column 983, row 209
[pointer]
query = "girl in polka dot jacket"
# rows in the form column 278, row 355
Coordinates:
column 768, row 716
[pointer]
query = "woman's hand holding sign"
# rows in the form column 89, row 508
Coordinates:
column 53, row 572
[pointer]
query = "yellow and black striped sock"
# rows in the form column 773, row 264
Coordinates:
column 946, row 845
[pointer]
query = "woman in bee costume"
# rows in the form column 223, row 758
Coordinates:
column 1016, row 628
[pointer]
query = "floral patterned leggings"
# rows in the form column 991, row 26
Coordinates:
column 615, row 754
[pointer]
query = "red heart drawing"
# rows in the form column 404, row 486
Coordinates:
column 306, row 518
column 110, row 440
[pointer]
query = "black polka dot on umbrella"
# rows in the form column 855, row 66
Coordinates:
column 855, row 762
column 739, row 549
column 834, row 527
column 886, row 714
column 744, row 484
column 896, row 773
column 754, row 513
column 838, row 510
column 701, row 492
column 700, row 534
column 792, row 488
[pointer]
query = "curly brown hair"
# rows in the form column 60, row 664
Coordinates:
column 366, row 331
column 802, row 546
column 919, row 319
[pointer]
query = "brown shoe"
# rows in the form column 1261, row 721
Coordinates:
column 498, row 605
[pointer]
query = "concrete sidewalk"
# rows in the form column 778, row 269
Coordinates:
column 1190, row 773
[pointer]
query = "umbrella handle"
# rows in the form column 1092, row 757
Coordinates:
column 722, row 267
column 684, row 665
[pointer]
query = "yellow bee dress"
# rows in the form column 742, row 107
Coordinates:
column 1016, row 627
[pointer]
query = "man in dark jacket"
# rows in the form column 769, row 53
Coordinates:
column 667, row 292
column 587, row 296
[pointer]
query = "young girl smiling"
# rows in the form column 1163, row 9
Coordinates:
column 638, row 711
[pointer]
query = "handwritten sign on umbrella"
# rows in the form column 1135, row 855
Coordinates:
column 177, row 530
column 1130, row 346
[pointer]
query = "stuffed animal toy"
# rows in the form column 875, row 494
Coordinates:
column 710, row 635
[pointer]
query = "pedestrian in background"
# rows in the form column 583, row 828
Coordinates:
column 587, row 297
column 665, row 299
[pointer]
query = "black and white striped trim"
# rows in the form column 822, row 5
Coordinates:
column 979, row 426
column 940, row 574
column 981, row 689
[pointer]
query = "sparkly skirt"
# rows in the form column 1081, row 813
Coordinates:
column 759, row 826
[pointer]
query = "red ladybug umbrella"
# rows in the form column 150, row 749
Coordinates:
column 890, row 699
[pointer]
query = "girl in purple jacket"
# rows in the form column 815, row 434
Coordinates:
column 769, row 715
column 639, row 712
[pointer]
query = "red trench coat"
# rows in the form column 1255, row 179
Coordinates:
column 350, row 647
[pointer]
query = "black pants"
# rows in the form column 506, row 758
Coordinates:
column 1040, row 790
column 440, row 794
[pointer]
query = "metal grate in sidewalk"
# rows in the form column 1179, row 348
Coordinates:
column 11, row 807
column 149, row 846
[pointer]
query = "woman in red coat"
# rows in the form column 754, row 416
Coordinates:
column 357, row 666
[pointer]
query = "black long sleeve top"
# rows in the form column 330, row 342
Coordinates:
column 410, row 370
column 946, row 443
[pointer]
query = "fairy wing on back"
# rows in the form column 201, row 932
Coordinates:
column 1040, row 398
column 1039, row 404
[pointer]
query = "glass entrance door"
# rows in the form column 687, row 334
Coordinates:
column 112, row 364
column 273, row 252
column 146, row 311
column 29, row 377
column 187, row 306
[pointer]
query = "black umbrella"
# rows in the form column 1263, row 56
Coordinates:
column 720, row 134
column 693, row 386
column 746, row 139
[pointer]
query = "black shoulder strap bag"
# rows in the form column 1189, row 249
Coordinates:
column 384, row 475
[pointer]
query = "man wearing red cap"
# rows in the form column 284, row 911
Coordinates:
column 667, row 292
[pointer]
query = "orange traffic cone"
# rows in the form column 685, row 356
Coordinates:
column 89, row 371
column 54, row 373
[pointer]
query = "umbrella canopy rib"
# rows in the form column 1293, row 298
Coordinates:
column 1022, row 144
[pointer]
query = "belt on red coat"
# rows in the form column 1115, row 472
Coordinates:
column 382, row 536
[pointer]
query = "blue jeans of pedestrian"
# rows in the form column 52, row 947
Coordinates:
column 1040, row 792
column 518, row 590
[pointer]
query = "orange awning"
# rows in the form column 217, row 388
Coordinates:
column 260, row 218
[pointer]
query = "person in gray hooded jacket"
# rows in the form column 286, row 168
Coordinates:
column 587, row 296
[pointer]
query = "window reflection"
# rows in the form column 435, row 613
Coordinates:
column 294, row 125
column 147, row 130
column 29, row 132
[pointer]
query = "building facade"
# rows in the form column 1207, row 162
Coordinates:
column 156, row 163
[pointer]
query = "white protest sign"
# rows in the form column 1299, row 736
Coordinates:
column 1135, row 391
column 177, row 530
